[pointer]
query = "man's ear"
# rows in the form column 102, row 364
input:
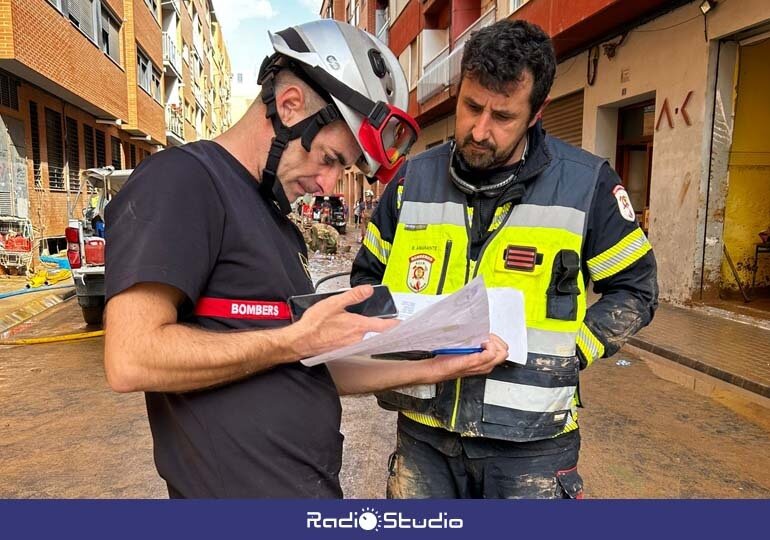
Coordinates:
column 290, row 103
column 537, row 116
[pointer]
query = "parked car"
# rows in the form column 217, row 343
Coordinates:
column 336, row 211
column 86, row 241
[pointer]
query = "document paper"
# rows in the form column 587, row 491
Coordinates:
column 461, row 319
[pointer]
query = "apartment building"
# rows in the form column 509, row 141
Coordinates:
column 669, row 91
column 87, row 83
column 372, row 16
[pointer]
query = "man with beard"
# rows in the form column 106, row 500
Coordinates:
column 527, row 211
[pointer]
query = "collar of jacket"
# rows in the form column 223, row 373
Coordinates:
column 538, row 157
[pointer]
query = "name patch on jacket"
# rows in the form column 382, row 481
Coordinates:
column 522, row 258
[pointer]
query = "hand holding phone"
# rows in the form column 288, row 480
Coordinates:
column 379, row 304
column 324, row 322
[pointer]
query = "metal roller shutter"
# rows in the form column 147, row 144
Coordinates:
column 563, row 118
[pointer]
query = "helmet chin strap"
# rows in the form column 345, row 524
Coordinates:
column 270, row 186
column 488, row 191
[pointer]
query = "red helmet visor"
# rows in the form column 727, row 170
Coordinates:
column 391, row 141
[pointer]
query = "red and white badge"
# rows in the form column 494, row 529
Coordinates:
column 419, row 272
column 624, row 203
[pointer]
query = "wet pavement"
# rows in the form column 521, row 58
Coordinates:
column 63, row 433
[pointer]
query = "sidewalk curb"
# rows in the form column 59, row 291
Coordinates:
column 741, row 382
column 34, row 308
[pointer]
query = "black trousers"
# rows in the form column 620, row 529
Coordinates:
column 445, row 465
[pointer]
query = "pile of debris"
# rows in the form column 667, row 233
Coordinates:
column 319, row 237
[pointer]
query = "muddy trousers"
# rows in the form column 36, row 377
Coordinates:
column 419, row 470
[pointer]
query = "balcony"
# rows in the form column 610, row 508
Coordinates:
column 443, row 71
column 456, row 56
column 171, row 4
column 171, row 57
column 199, row 97
column 382, row 23
column 198, row 44
column 174, row 124
column 435, row 78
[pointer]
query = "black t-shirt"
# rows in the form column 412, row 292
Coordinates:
column 193, row 217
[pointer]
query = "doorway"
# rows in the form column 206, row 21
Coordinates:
column 636, row 126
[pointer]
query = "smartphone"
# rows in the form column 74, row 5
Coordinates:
column 379, row 304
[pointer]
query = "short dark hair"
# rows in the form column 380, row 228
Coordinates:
column 497, row 55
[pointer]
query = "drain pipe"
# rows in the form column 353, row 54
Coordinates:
column 708, row 178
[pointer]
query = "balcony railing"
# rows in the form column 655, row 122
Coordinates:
column 171, row 4
column 382, row 33
column 444, row 70
column 170, row 55
column 174, row 121
column 455, row 57
column 435, row 78
column 198, row 44
column 199, row 97
column 381, row 24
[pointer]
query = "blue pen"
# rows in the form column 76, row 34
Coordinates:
column 459, row 350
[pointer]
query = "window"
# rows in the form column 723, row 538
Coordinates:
column 516, row 4
column 143, row 71
column 55, row 146
column 82, row 13
column 73, row 153
column 101, row 149
column 153, row 5
column 156, row 84
column 110, row 36
column 115, row 147
column 9, row 93
column 55, row 3
column 88, row 147
column 239, row 77
column 35, row 136
column 133, row 156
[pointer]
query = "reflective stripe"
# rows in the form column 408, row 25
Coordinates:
column 572, row 424
column 417, row 213
column 549, row 217
column 589, row 345
column 424, row 419
column 399, row 196
column 550, row 342
column 500, row 213
column 528, row 398
column 375, row 244
column 620, row 256
column 228, row 308
column 420, row 391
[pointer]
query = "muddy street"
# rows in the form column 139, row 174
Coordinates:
column 64, row 433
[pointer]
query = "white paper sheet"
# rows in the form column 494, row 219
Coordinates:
column 462, row 319
column 457, row 320
column 506, row 316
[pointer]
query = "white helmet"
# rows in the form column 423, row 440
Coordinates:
column 360, row 78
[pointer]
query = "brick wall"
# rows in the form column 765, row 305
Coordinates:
column 143, row 29
column 49, row 44
column 405, row 28
column 49, row 210
column 6, row 29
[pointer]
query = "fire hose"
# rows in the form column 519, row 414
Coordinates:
column 53, row 339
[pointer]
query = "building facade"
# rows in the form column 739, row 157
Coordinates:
column 669, row 91
column 86, row 83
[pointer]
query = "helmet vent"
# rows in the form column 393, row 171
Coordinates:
column 378, row 63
